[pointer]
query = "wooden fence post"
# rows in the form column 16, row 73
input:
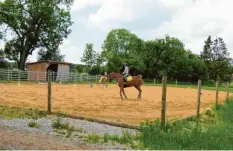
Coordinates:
column 75, row 76
column 28, row 75
column 217, row 86
column 37, row 76
column 227, row 97
column 19, row 78
column 163, row 110
column 198, row 98
column 49, row 91
column 8, row 75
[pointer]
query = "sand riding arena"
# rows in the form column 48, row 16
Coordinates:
column 105, row 103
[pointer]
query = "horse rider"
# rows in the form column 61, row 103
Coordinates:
column 125, row 74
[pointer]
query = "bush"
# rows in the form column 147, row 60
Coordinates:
column 95, row 70
column 209, row 82
column 33, row 124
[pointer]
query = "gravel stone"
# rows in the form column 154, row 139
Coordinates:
column 87, row 126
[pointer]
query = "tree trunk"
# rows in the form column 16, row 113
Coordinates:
column 23, row 58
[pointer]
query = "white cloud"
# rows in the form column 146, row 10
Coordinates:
column 193, row 21
column 2, row 44
column 82, row 4
column 72, row 53
column 112, row 13
column 175, row 3
column 113, row 10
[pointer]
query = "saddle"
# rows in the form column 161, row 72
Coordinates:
column 128, row 79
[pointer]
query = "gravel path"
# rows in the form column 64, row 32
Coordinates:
column 17, row 140
column 46, row 129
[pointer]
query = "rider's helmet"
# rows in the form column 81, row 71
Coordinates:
column 125, row 64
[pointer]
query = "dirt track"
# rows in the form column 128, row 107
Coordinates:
column 105, row 103
column 12, row 140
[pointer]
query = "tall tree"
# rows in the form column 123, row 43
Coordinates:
column 172, row 55
column 216, row 57
column 53, row 55
column 206, row 54
column 121, row 46
column 34, row 24
column 221, row 59
column 89, row 55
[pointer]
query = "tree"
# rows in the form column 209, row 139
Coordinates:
column 121, row 46
column 1, row 35
column 79, row 68
column 221, row 59
column 206, row 54
column 89, row 55
column 171, row 55
column 50, row 55
column 34, row 24
column 194, row 69
column 216, row 57
column 3, row 62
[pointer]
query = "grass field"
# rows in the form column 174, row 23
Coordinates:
column 211, row 132
column 204, row 87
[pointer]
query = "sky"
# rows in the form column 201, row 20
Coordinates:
column 191, row 21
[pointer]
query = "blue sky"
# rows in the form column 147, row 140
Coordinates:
column 189, row 20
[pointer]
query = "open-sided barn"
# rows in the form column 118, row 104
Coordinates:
column 38, row 70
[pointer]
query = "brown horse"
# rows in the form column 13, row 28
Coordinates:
column 136, row 82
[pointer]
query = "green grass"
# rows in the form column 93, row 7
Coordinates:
column 204, row 87
column 8, row 112
column 65, row 128
column 93, row 138
column 1, row 148
column 126, row 138
column 210, row 132
column 34, row 124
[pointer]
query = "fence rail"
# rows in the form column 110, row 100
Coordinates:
column 73, row 77
column 34, row 76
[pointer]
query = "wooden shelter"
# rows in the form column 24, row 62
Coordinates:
column 38, row 70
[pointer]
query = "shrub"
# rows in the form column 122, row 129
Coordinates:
column 33, row 124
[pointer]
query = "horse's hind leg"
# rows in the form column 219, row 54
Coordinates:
column 121, row 94
column 124, row 94
column 140, row 91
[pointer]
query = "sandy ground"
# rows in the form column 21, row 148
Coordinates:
column 105, row 103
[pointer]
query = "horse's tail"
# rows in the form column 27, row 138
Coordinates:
column 140, row 76
column 100, row 80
